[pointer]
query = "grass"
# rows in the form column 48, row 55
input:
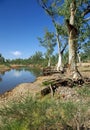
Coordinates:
column 47, row 82
column 84, row 91
column 38, row 114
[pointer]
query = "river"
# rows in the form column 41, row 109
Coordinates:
column 10, row 79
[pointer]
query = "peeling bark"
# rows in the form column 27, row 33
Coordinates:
column 73, row 42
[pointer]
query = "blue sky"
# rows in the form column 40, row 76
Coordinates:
column 21, row 22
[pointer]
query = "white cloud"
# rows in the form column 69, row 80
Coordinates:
column 16, row 53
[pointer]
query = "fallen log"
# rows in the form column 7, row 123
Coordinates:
column 61, row 82
column 55, row 85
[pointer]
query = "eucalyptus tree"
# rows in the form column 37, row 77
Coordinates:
column 78, row 29
column 76, row 14
column 48, row 42
column 51, row 8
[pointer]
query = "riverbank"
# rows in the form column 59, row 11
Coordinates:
column 74, row 99
column 23, row 89
column 15, row 101
column 4, row 68
column 7, row 67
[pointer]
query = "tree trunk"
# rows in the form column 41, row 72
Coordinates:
column 79, row 59
column 49, row 62
column 59, row 64
column 72, row 39
column 72, row 54
column 73, row 42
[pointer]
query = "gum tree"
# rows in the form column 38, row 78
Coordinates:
column 51, row 8
column 77, row 17
column 48, row 42
column 76, row 24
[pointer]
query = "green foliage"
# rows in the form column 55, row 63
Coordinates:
column 48, row 42
column 86, row 51
column 60, row 11
column 2, row 59
column 33, row 114
column 47, row 82
column 35, row 59
column 27, row 115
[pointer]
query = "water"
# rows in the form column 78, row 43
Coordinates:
column 12, row 78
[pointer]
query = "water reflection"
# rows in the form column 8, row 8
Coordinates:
column 2, row 73
column 17, row 74
column 12, row 78
column 0, row 79
column 35, row 71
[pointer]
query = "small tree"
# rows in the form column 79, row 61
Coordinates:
column 48, row 42
column 51, row 8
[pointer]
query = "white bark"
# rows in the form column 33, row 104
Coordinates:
column 49, row 62
column 79, row 58
column 59, row 64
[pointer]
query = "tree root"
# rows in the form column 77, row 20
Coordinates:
column 64, row 83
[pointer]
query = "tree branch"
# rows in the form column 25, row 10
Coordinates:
column 86, row 11
column 64, row 48
column 44, row 6
column 87, row 19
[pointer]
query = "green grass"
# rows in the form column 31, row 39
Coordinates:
column 47, row 82
column 38, row 114
column 84, row 91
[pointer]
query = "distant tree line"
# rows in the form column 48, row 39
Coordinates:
column 42, row 59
